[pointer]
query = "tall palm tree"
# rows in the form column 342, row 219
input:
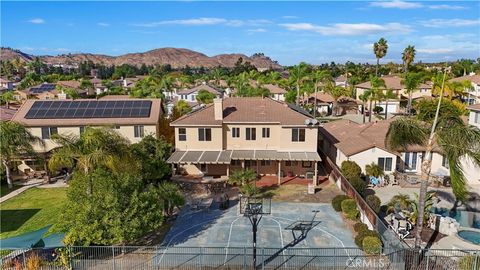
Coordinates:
column 324, row 77
column 380, row 50
column 377, row 85
column 387, row 96
column 408, row 56
column 411, row 81
column 15, row 141
column 171, row 196
column 364, row 98
column 336, row 92
column 298, row 74
column 455, row 139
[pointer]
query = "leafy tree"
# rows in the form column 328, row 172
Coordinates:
column 171, row 197
column 376, row 88
column 151, row 154
column 399, row 203
column 387, row 97
column 427, row 205
column 72, row 93
column 298, row 74
column 205, row 97
column 290, row 96
column 374, row 170
column 181, row 108
column 350, row 169
column 7, row 98
column 325, row 78
column 336, row 92
column 426, row 109
column 119, row 210
column 15, row 141
column 380, row 50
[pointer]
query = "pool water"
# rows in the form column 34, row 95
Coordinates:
column 470, row 236
column 465, row 218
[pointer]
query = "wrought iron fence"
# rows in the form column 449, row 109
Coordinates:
column 158, row 257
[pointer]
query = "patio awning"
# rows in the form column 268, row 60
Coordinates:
column 225, row 156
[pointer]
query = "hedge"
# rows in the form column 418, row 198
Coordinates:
column 362, row 234
column 372, row 245
column 337, row 202
column 349, row 208
column 359, row 185
column 374, row 202
column 360, row 227
column 350, row 169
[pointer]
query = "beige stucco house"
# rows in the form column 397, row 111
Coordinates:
column 263, row 134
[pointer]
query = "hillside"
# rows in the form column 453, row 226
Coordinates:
column 9, row 54
column 174, row 56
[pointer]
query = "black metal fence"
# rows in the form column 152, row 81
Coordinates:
column 122, row 258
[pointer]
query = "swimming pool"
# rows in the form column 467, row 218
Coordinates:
column 465, row 218
column 470, row 236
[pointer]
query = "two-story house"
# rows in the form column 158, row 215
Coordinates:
column 190, row 95
column 472, row 95
column 263, row 134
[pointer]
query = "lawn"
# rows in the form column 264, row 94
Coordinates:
column 31, row 210
column 4, row 190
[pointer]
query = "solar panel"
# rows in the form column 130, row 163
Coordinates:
column 43, row 88
column 48, row 109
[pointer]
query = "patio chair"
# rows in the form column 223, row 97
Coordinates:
column 374, row 181
column 395, row 225
column 404, row 228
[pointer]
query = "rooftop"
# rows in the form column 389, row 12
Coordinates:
column 6, row 114
column 205, row 87
column 393, row 82
column 475, row 107
column 473, row 78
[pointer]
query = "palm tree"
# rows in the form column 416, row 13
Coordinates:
column 374, row 170
column 380, row 50
column 324, row 77
column 298, row 74
column 364, row 98
column 376, row 89
column 336, row 92
column 411, row 81
column 455, row 139
column 387, row 96
column 408, row 56
column 95, row 148
column 171, row 196
column 7, row 97
column 15, row 141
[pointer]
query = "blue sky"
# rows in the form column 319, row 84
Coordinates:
column 290, row 32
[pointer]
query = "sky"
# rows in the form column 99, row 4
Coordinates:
column 289, row 32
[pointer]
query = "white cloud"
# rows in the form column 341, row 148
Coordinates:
column 349, row 29
column 435, row 51
column 396, row 4
column 103, row 24
column 257, row 30
column 206, row 21
column 448, row 7
column 62, row 50
column 289, row 17
column 37, row 21
column 449, row 22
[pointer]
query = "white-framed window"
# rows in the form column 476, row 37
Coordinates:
column 298, row 134
column 385, row 163
column 477, row 118
column 250, row 134
column 204, row 134
column 250, row 163
column 445, row 163
column 265, row 132
column 139, row 131
column 235, row 132
column 411, row 161
column 182, row 134
column 265, row 163
column 192, row 98
column 47, row 132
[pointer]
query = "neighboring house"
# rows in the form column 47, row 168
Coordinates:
column 474, row 117
column 473, row 96
column 98, row 86
column 133, row 119
column 394, row 83
column 268, row 136
column 6, row 84
column 6, row 114
column 365, row 143
column 190, row 95
column 341, row 81
column 471, row 171
column 41, row 91
column 276, row 92
column 75, row 85
column 324, row 102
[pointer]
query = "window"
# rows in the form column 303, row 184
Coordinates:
column 82, row 129
column 236, row 162
column 250, row 163
column 298, row 135
column 445, row 162
column 192, row 98
column 139, row 131
column 235, row 132
column 411, row 161
column 182, row 134
column 47, row 132
column 477, row 118
column 266, row 132
column 290, row 163
column 251, row 134
column 306, row 164
column 203, row 168
column 204, row 134
column 265, row 163
column 116, row 127
column 385, row 164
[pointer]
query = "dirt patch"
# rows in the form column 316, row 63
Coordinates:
column 298, row 193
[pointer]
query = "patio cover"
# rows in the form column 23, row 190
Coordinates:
column 225, row 156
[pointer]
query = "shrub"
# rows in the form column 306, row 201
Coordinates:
column 350, row 169
column 349, row 208
column 359, row 185
column 378, row 109
column 360, row 227
column 372, row 245
column 374, row 170
column 34, row 262
column 362, row 234
column 374, row 202
column 337, row 202
column 468, row 262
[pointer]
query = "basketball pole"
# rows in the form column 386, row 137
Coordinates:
column 254, row 220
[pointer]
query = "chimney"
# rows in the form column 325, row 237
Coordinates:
column 218, row 108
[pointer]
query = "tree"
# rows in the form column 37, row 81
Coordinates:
column 7, row 98
column 408, row 56
column 374, row 170
column 324, row 77
column 377, row 85
column 364, row 98
column 298, row 74
column 15, row 141
column 72, row 93
column 181, row 108
column 380, row 50
column 336, row 92
column 119, row 210
column 205, row 97
column 387, row 96
column 455, row 139
column 350, row 169
column 171, row 197
column 411, row 81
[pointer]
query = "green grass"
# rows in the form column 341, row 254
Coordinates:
column 31, row 210
column 4, row 189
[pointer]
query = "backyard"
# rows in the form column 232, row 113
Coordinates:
column 31, row 210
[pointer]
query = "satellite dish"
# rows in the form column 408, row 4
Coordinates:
column 307, row 122
column 314, row 122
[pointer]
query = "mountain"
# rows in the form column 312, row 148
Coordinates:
column 10, row 54
column 174, row 56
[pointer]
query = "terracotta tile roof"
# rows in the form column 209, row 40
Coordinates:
column 115, row 97
column 323, row 97
column 246, row 110
column 3, row 80
column 274, row 89
column 198, row 88
column 153, row 119
column 6, row 114
column 71, row 84
column 473, row 78
column 393, row 82
column 341, row 78
column 475, row 107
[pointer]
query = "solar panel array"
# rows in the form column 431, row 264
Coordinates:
column 43, row 88
column 89, row 109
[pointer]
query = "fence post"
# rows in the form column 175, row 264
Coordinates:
column 201, row 258
column 24, row 259
column 70, row 257
column 244, row 257
column 475, row 261
column 428, row 259
column 263, row 258
column 113, row 257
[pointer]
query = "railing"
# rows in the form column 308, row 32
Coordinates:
column 128, row 257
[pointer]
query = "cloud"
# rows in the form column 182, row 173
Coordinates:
column 62, row 50
column 448, row 7
column 37, row 21
column 449, row 22
column 396, row 4
column 103, row 24
column 257, row 30
column 289, row 17
column 349, row 29
column 435, row 51
column 206, row 21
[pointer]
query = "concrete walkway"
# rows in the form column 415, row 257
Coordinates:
column 30, row 184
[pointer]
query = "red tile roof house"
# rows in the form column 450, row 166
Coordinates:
column 473, row 96
column 263, row 134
